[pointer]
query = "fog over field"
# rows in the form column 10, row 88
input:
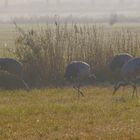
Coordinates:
column 80, row 8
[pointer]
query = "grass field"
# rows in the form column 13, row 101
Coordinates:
column 57, row 114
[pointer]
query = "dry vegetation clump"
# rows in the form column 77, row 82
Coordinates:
column 45, row 52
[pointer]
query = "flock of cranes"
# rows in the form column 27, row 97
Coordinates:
column 124, row 65
column 77, row 72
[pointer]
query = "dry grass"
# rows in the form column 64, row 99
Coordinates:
column 42, row 47
column 47, row 51
column 57, row 114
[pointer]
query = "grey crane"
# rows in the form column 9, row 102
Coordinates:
column 78, row 72
column 130, row 73
column 13, row 67
column 119, row 60
column 117, row 63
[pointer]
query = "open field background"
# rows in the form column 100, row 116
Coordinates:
column 56, row 114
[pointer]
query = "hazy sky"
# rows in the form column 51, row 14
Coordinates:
column 28, row 1
column 101, row 7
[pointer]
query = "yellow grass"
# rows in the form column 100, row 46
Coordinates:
column 57, row 114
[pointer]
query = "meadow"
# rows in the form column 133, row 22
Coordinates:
column 57, row 113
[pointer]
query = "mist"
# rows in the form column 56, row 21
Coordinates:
column 96, row 9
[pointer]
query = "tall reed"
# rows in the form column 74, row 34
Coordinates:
column 46, row 52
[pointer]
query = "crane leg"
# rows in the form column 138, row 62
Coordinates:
column 25, row 84
column 79, row 91
column 77, row 88
column 116, row 87
column 134, row 90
